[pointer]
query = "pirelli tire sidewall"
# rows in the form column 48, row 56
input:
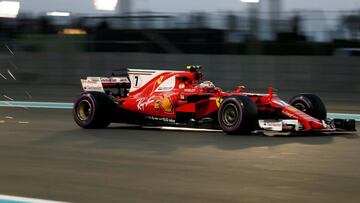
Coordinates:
column 243, row 120
column 100, row 114
column 311, row 104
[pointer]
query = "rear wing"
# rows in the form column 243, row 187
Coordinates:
column 134, row 79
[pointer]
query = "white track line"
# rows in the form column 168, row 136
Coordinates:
column 8, row 198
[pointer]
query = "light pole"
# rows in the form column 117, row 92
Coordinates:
column 275, row 15
column 253, row 47
column 253, row 16
column 250, row 1
column 124, row 7
column 105, row 5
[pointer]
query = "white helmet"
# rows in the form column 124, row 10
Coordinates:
column 207, row 84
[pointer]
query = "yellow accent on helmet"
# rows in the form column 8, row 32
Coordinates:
column 193, row 68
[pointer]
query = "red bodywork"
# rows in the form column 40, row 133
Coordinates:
column 189, row 97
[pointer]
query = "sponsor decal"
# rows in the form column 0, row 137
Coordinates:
column 167, row 85
column 271, row 125
column 93, row 84
column 157, row 105
column 219, row 101
column 115, row 80
column 162, row 89
column 190, row 90
column 144, row 102
column 164, row 119
column 167, row 105
column 182, row 86
column 159, row 81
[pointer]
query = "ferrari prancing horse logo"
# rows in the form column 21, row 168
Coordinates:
column 159, row 81
column 219, row 101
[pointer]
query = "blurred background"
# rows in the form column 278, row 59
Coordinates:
column 293, row 45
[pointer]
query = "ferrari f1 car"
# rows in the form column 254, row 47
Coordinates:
column 182, row 98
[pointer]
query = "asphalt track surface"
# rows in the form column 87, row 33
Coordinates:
column 47, row 156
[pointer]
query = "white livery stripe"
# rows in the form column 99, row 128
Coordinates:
column 181, row 129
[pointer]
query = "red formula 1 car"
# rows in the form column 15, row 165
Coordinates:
column 181, row 98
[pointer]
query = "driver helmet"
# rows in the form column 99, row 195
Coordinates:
column 207, row 84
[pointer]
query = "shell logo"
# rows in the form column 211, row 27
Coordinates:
column 167, row 106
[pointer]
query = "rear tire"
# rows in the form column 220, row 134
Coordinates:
column 93, row 110
column 310, row 104
column 237, row 115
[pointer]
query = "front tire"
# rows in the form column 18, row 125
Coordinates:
column 93, row 110
column 310, row 104
column 237, row 115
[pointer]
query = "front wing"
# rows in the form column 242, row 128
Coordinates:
column 292, row 125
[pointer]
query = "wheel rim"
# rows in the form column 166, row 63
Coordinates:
column 301, row 107
column 230, row 115
column 84, row 110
